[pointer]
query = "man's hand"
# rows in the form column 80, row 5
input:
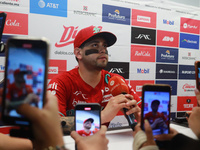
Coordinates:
column 45, row 123
column 194, row 121
column 116, row 104
column 98, row 141
column 166, row 137
column 142, row 139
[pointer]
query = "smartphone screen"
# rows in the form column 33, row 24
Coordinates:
column 197, row 74
column 156, row 107
column 25, row 77
column 87, row 118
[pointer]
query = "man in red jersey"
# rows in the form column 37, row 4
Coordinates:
column 19, row 92
column 87, row 124
column 156, row 119
column 88, row 83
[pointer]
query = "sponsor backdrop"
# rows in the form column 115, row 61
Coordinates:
column 158, row 41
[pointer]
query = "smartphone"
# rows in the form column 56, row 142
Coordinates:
column 87, row 118
column 197, row 74
column 2, row 23
column 25, row 77
column 156, row 100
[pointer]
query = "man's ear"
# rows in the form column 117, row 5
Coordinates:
column 77, row 53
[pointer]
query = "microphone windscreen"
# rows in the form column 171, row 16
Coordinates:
column 117, row 85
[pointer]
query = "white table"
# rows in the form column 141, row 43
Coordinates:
column 123, row 139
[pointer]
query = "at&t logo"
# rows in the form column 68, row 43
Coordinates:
column 42, row 4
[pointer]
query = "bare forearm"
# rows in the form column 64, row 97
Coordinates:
column 11, row 143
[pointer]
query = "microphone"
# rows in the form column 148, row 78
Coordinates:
column 117, row 86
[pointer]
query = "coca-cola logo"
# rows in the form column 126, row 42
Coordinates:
column 142, row 53
column 12, row 23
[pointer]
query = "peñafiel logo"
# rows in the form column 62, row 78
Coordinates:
column 47, row 7
column 116, row 14
column 169, row 55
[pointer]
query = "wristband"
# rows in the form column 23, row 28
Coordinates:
column 150, row 147
column 56, row 148
column 139, row 139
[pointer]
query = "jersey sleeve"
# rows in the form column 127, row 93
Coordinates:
column 136, row 97
column 58, row 87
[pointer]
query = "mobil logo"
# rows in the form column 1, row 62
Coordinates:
column 143, row 71
column 53, row 70
column 168, row 22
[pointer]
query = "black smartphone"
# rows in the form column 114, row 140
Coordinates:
column 2, row 23
column 25, row 77
column 87, row 118
column 197, row 74
column 156, row 100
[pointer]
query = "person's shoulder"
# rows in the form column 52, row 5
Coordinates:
column 66, row 73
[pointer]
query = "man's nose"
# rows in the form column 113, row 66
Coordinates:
column 103, row 50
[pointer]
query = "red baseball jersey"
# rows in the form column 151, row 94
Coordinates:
column 149, row 116
column 70, row 89
column 15, row 93
column 83, row 133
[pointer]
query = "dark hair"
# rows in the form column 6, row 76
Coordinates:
column 155, row 102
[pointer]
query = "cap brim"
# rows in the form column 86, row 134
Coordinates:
column 108, row 36
column 90, row 119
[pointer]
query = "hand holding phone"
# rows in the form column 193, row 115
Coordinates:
column 197, row 74
column 87, row 118
column 156, row 108
column 25, row 77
